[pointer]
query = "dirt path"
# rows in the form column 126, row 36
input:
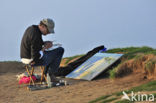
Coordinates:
column 82, row 92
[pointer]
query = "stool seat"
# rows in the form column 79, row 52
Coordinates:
column 37, row 65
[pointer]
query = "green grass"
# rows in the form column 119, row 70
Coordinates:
column 130, row 52
column 150, row 86
column 120, row 93
column 127, row 101
column 150, row 65
column 109, row 100
column 124, row 101
column 112, row 73
column 138, row 57
column 100, row 98
column 116, row 71
column 154, row 96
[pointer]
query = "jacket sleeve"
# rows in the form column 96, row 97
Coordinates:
column 36, row 46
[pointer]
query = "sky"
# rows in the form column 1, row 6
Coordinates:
column 81, row 25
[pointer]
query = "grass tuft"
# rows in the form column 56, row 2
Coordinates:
column 112, row 73
column 100, row 98
column 150, row 86
column 130, row 52
column 109, row 100
column 149, row 66
column 124, row 101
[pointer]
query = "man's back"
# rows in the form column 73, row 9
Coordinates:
column 31, row 43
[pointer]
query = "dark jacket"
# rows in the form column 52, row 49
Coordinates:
column 31, row 43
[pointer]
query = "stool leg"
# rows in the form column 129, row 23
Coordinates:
column 43, row 68
column 41, row 74
column 32, row 71
column 31, row 80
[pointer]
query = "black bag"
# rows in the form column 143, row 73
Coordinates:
column 63, row 71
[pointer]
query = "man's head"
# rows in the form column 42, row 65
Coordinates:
column 46, row 26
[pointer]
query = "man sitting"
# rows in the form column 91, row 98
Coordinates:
column 32, row 49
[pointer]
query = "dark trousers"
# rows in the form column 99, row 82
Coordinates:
column 51, row 59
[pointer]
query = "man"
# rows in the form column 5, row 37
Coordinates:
column 32, row 49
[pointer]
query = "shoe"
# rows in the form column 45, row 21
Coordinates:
column 54, row 79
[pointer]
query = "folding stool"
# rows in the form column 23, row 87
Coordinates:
column 30, row 70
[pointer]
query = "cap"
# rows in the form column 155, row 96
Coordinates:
column 50, row 24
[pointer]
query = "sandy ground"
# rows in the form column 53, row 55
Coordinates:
column 79, row 92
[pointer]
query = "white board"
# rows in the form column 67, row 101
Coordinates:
column 94, row 66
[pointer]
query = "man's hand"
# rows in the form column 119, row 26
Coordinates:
column 32, row 63
column 48, row 44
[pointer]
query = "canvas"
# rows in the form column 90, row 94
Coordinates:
column 94, row 66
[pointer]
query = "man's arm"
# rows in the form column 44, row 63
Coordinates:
column 36, row 46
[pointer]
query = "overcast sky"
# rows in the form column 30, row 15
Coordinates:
column 80, row 24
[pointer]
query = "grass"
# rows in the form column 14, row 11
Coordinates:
column 130, row 52
column 124, row 101
column 150, row 65
column 138, row 57
column 150, row 86
column 127, row 101
column 100, row 98
column 112, row 73
column 109, row 100
column 120, row 70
